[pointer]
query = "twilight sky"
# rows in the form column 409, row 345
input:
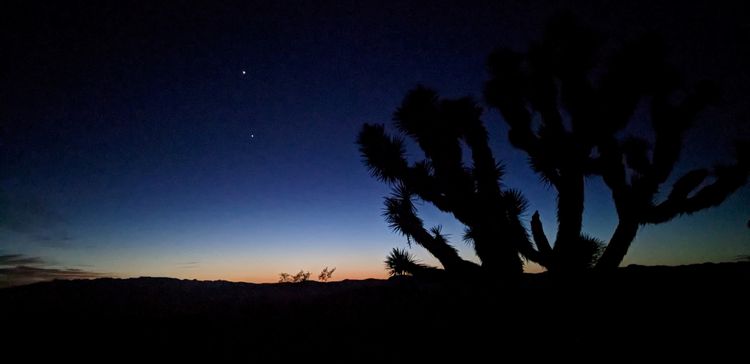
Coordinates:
column 217, row 141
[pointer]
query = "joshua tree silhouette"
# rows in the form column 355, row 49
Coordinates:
column 473, row 194
column 566, row 106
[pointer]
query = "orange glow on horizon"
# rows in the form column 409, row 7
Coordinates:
column 258, row 277
column 235, row 275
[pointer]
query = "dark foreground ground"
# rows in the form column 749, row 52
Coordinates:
column 640, row 314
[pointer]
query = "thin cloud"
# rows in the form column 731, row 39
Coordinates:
column 188, row 265
column 18, row 269
column 19, row 259
column 56, row 240
column 22, row 274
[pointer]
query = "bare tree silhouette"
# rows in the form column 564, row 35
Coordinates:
column 443, row 129
column 566, row 106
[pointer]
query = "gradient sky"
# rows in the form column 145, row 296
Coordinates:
column 126, row 148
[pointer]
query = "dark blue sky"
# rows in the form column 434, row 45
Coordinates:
column 126, row 128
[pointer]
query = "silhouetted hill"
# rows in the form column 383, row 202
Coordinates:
column 639, row 314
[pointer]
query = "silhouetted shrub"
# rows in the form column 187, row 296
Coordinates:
column 326, row 274
column 301, row 276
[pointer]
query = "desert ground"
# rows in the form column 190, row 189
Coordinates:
column 639, row 314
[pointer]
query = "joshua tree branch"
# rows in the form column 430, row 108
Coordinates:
column 383, row 155
column 728, row 180
column 401, row 216
column 540, row 238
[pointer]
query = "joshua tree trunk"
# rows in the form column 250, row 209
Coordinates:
column 618, row 245
column 570, row 218
column 498, row 254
